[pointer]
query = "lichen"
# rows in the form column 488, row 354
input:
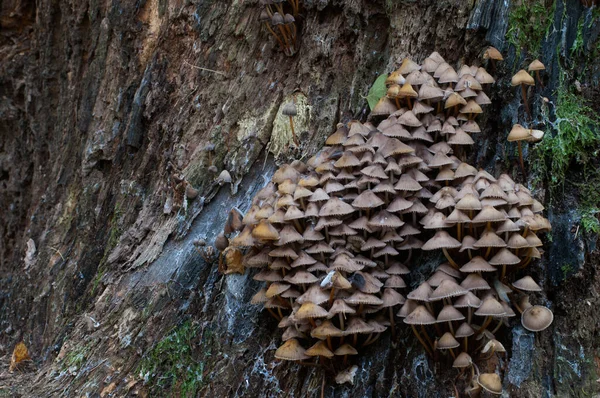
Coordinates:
column 281, row 137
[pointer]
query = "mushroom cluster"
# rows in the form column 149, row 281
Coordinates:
column 334, row 238
column 280, row 24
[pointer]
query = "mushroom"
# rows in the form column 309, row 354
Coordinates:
column 522, row 78
column 518, row 133
column 493, row 55
column 490, row 382
column 536, row 318
column 536, row 66
column 289, row 110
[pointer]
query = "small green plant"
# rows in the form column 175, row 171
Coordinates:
column 566, row 269
column 575, row 137
column 528, row 23
column 171, row 365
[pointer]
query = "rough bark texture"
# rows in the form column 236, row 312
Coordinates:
column 103, row 104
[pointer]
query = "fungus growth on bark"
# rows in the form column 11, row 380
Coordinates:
column 333, row 239
column 281, row 24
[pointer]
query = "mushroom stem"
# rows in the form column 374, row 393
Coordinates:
column 485, row 325
column 276, row 36
column 521, row 158
column 452, row 352
column 273, row 314
column 397, row 102
column 451, row 327
column 331, row 296
column 392, row 324
column 537, row 74
column 497, row 326
column 517, row 307
column 371, row 340
column 524, row 94
column 294, row 133
column 409, row 104
column 287, row 46
column 329, row 343
column 421, row 341
column 503, row 272
column 458, row 225
column 491, row 354
column 280, row 314
column 450, row 260
column 466, row 343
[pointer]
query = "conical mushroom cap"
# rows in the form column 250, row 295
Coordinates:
column 447, row 341
column 464, row 330
column 421, row 293
column 449, row 313
column 447, row 289
column 339, row 306
column 463, row 360
column 314, row 295
column 394, row 147
column 291, row 350
column 536, row 65
column 489, row 214
column 468, row 300
column 335, row 207
column 522, row 77
column 319, row 350
column 492, row 53
column 469, row 202
column 260, row 297
column 391, row 298
column 359, row 297
column 490, row 239
column 357, row 325
column 490, row 382
column 348, row 159
column 310, row 310
column 474, row 282
column 420, row 316
column 409, row 119
column 478, row 264
column 536, row 318
column 265, row 231
column 384, row 107
column 527, row 284
column 490, row 307
column 326, row 329
column 276, row 289
column 346, row 349
column 301, row 277
column 505, row 257
column 408, row 66
column 441, row 239
column 518, row 133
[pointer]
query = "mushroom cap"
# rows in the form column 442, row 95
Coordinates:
column 420, row 316
column 474, row 282
column 335, row 207
column 492, row 53
column 339, row 306
column 522, row 77
column 291, row 350
column 518, row 133
column 464, row 330
column 490, row 382
column 384, row 107
column 289, row 109
column 478, row 264
column 468, row 300
column 265, row 231
column 447, row 341
column 346, row 349
column 319, row 349
column 527, row 284
column 441, row 239
column 447, row 289
column 463, row 360
column 536, row 318
column 314, row 295
column 326, row 329
column 421, row 293
column 449, row 314
column 536, row 65
column 310, row 310
column 490, row 307
column 408, row 66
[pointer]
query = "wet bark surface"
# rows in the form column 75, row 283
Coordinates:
column 105, row 108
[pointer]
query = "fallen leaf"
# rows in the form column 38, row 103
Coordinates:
column 377, row 91
column 19, row 355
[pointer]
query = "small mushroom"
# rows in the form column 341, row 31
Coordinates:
column 223, row 178
column 493, row 55
column 209, row 148
column 519, row 133
column 522, row 78
column 536, row 318
column 289, row 110
column 536, row 66
column 490, row 382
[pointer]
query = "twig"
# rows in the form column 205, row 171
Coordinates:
column 58, row 251
column 206, row 69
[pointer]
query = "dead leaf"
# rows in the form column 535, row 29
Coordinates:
column 108, row 389
column 20, row 354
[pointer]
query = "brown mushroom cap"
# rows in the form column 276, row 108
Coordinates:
column 420, row 316
column 522, row 77
column 518, row 133
column 447, row 341
column 537, row 318
column 310, row 310
column 319, row 350
column 326, row 329
column 291, row 350
column 490, row 307
column 527, row 284
column 346, row 349
column 490, row 382
column 463, row 360
column 492, row 53
column 536, row 65
column 441, row 239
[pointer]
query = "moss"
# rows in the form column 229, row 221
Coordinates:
column 571, row 138
column 528, row 23
column 170, row 367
